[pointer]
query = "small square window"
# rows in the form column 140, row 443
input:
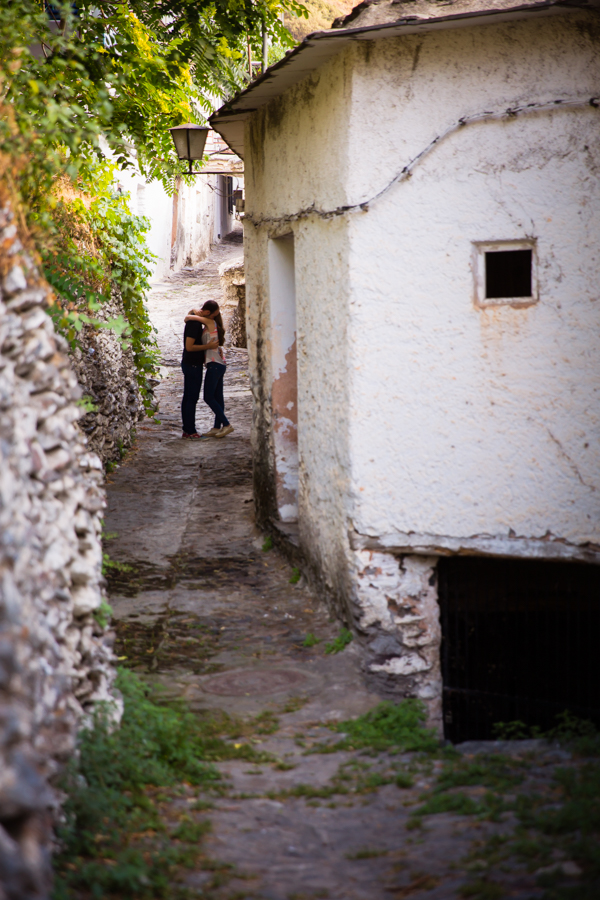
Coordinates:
column 505, row 273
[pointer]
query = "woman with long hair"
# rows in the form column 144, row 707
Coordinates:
column 210, row 316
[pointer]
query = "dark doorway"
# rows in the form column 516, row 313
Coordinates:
column 520, row 642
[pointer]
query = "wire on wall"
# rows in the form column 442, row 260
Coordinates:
column 487, row 116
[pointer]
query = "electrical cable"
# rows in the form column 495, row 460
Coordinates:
column 487, row 116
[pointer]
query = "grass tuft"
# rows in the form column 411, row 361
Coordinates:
column 340, row 642
column 114, row 841
column 310, row 640
column 389, row 725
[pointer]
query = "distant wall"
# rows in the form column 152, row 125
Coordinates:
column 185, row 225
column 55, row 660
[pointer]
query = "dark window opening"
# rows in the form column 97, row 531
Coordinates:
column 520, row 643
column 508, row 273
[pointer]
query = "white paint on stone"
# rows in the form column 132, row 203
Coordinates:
column 410, row 664
column 398, row 599
column 15, row 280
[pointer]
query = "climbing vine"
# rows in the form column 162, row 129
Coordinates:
column 96, row 246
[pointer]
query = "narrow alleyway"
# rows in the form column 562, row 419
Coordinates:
column 213, row 618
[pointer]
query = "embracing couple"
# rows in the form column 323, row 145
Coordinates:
column 203, row 339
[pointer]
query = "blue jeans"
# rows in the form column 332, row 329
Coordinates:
column 213, row 392
column 192, row 382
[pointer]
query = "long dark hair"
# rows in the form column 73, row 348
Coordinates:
column 211, row 306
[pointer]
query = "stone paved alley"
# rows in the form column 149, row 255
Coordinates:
column 214, row 619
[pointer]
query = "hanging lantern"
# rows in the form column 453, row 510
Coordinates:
column 189, row 142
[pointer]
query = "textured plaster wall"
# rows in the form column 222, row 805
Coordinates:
column 469, row 422
column 284, row 368
column 304, row 133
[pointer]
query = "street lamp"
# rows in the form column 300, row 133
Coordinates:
column 189, row 142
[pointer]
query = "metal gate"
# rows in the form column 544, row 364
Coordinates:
column 521, row 641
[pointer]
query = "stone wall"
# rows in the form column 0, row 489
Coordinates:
column 107, row 375
column 233, row 285
column 55, row 660
column 396, row 610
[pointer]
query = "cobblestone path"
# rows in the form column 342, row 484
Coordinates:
column 212, row 618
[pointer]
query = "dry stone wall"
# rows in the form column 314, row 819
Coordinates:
column 55, row 660
column 233, row 285
column 396, row 609
column 105, row 369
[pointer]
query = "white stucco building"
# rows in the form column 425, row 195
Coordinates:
column 423, row 279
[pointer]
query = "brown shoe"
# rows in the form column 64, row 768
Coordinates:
column 223, row 431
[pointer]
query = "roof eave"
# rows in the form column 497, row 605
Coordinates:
column 319, row 46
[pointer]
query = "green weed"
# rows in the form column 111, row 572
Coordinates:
column 294, row 703
column 581, row 735
column 495, row 772
column 109, row 565
column 86, row 403
column 191, row 831
column 389, row 726
column 113, row 836
column 202, row 805
column 310, row 640
column 458, row 803
column 340, row 642
column 371, row 782
column 266, row 723
column 404, row 780
column 103, row 614
column 267, row 544
column 296, row 576
column 109, row 798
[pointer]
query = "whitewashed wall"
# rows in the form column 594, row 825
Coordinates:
column 482, row 422
column 427, row 424
column 297, row 157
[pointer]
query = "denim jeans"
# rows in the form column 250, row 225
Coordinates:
column 213, row 392
column 192, row 382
